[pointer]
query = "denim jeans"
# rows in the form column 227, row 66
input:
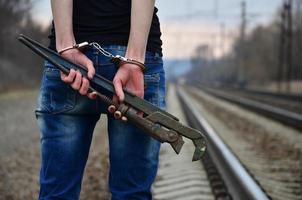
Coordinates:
column 67, row 120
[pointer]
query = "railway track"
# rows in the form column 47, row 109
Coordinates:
column 267, row 108
column 221, row 175
column 290, row 102
column 270, row 151
column 279, row 95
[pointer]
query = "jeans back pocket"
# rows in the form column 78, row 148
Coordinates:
column 55, row 96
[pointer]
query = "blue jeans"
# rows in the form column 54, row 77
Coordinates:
column 67, row 120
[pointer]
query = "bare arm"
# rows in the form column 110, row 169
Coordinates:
column 62, row 15
column 141, row 17
column 129, row 76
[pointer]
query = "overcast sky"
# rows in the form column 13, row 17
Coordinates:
column 188, row 23
column 227, row 10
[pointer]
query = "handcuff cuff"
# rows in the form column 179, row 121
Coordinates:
column 116, row 59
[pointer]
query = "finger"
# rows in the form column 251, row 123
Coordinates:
column 90, row 68
column 70, row 77
column 140, row 93
column 84, row 87
column 86, row 62
column 140, row 113
column 115, row 99
column 92, row 95
column 63, row 75
column 111, row 109
column 118, row 86
column 124, row 118
column 77, row 81
column 117, row 114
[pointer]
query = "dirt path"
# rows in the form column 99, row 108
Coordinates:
column 19, row 152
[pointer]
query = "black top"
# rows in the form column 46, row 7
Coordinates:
column 108, row 23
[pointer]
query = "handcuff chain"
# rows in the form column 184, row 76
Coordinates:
column 101, row 50
column 117, row 59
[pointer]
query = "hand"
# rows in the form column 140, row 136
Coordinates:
column 75, row 78
column 131, row 78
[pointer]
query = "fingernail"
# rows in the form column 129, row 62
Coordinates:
column 111, row 109
column 124, row 118
column 94, row 95
column 117, row 114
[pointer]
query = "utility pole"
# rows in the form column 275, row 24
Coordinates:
column 243, row 20
column 281, row 47
column 289, row 34
column 222, row 39
column 285, row 51
column 216, row 8
column 242, row 63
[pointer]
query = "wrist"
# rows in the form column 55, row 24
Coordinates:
column 69, row 51
column 119, row 60
column 64, row 43
column 136, row 55
column 132, row 67
column 75, row 46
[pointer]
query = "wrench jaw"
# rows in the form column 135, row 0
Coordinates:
column 177, row 144
column 180, row 131
column 200, row 149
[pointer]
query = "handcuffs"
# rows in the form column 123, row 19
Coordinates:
column 116, row 59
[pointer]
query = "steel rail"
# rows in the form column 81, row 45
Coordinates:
column 279, row 95
column 239, row 182
column 282, row 115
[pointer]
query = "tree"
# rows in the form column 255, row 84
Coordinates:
column 261, row 56
column 18, row 66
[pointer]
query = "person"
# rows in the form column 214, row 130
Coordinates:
column 66, row 116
